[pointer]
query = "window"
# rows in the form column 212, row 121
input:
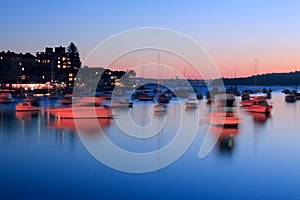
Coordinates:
column 70, row 75
column 23, row 68
column 58, row 66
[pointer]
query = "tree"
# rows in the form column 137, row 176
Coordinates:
column 132, row 73
column 72, row 48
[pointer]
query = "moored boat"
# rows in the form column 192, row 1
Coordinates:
column 191, row 103
column 80, row 112
column 6, row 98
column 291, row 97
column 67, row 99
column 159, row 108
column 257, row 104
column 120, row 102
column 27, row 106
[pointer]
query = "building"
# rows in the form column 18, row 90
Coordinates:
column 15, row 66
column 59, row 65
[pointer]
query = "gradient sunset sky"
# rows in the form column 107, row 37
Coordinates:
column 235, row 33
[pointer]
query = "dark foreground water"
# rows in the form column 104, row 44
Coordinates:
column 41, row 159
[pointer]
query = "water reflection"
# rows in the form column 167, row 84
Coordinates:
column 260, row 118
column 87, row 127
column 226, row 139
column 28, row 115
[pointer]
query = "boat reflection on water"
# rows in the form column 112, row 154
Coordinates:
column 226, row 139
column 87, row 127
column 28, row 115
column 260, row 118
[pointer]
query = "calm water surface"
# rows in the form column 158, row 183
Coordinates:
column 44, row 159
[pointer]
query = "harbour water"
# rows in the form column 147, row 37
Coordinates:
column 43, row 159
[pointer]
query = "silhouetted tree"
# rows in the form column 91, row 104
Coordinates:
column 132, row 73
column 73, row 63
column 72, row 48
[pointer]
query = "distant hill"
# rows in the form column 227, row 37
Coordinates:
column 292, row 78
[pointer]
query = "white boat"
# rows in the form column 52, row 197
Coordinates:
column 27, row 106
column 159, row 108
column 257, row 104
column 191, row 103
column 182, row 92
column 120, row 102
column 6, row 98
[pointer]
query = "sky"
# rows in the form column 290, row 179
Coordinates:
column 235, row 33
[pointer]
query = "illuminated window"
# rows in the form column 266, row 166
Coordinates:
column 20, row 63
column 58, row 66
column 70, row 79
column 1, row 57
column 64, row 66
column 70, row 75
column 63, row 58
column 58, row 62
column 23, row 69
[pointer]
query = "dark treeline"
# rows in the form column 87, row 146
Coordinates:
column 292, row 78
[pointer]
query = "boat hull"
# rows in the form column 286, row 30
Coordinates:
column 81, row 112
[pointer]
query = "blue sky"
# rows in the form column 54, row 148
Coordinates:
column 235, row 33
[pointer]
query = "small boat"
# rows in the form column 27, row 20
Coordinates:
column 67, row 99
column 245, row 96
column 165, row 98
column 223, row 119
column 291, row 97
column 83, row 108
column 6, row 98
column 120, row 102
column 27, row 106
column 182, row 92
column 144, row 95
column 81, row 112
column 191, row 103
column 223, row 111
column 159, row 108
column 199, row 96
column 257, row 104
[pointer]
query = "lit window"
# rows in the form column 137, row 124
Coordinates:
column 20, row 63
column 63, row 58
column 1, row 57
column 58, row 62
column 70, row 75
column 64, row 66
column 70, row 79
column 58, row 66
column 23, row 69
